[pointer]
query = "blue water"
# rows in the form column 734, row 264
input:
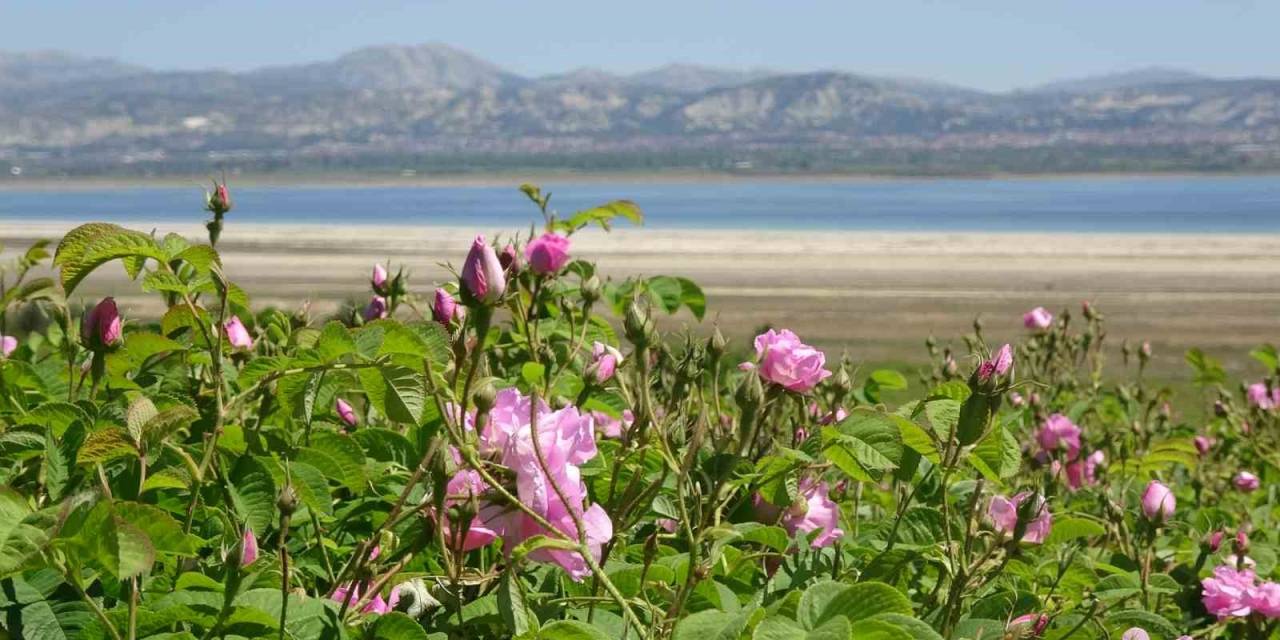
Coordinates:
column 1128, row 204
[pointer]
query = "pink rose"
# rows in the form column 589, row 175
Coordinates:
column 1265, row 599
column 482, row 274
column 379, row 279
column 1038, row 318
column 611, row 427
column 350, row 594
column 444, row 309
column 1203, row 444
column 1228, row 592
column 376, row 309
column 1158, row 502
column 465, row 485
column 1082, row 472
column 1003, row 513
column 1259, row 397
column 1135, row 633
column 604, row 361
column 548, row 253
column 817, row 512
column 1059, row 433
column 7, row 345
column 789, row 363
column 237, row 334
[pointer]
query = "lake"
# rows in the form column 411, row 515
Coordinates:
column 1179, row 204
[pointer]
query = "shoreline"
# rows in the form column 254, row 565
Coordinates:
column 514, row 179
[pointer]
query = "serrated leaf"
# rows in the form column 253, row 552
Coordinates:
column 20, row 539
column 1071, row 527
column 105, row 445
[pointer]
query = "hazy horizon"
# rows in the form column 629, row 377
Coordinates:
column 993, row 45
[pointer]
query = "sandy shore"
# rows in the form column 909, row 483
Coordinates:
column 876, row 295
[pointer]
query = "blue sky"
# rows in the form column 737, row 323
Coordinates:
column 989, row 44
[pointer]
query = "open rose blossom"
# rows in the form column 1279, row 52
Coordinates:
column 548, row 253
column 7, row 345
column 482, row 274
column 463, row 487
column 1259, row 397
column 1059, row 433
column 1158, row 502
column 347, row 593
column 1038, row 318
column 789, row 363
column 817, row 513
column 1003, row 513
column 1246, row 482
column 610, row 427
column 237, row 334
column 1229, row 592
column 550, row 484
column 1265, row 599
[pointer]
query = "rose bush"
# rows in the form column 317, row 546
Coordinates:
column 528, row 451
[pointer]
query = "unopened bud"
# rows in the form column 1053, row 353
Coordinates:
column 591, row 290
column 485, row 396
column 1214, row 541
column 1219, row 409
column 717, row 344
column 637, row 324
column 1241, row 545
column 288, row 500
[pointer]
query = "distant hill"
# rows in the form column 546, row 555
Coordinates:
column 434, row 105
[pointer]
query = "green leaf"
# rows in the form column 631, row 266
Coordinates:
column 398, row 626
column 105, row 445
column 55, row 620
column 20, row 539
column 878, row 630
column 1266, row 354
column 714, row 625
column 1208, row 370
column 395, row 391
column 335, row 342
column 775, row 538
column 55, row 416
column 253, row 493
column 693, row 298
column 164, row 533
column 346, row 455
column 776, row 481
column 511, row 603
column 917, row 629
column 87, row 251
column 855, row 602
column 571, row 630
column 1072, row 527
column 975, row 414
column 916, row 438
column 998, row 456
column 863, row 445
column 602, row 215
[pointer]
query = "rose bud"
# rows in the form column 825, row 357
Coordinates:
column 547, row 253
column 7, row 345
column 509, row 259
column 604, row 361
column 482, row 274
column 248, row 548
column 1214, row 542
column 445, row 308
column 1038, row 318
column 218, row 201
column 1203, row 444
column 345, row 412
column 1246, row 482
column 379, row 279
column 999, row 364
column 101, row 327
column 1158, row 502
column 376, row 309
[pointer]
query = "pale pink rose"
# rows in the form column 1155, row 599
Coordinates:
column 1158, row 502
column 1015, row 399
column 248, row 547
column 1259, row 397
column 604, row 361
column 789, row 363
column 379, row 278
column 1003, row 513
column 1265, row 599
column 818, row 513
column 101, row 328
column 1082, row 472
column 482, row 274
column 7, row 345
column 237, row 334
column 345, row 412
column 834, row 417
column 1059, row 433
column 1246, row 482
column 667, row 524
column 1228, row 593
column 548, row 253
column 999, row 364
column 1038, row 318
column 376, row 309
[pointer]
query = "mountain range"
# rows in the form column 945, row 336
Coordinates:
column 436, row 108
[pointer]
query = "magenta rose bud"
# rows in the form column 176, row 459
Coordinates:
column 509, row 259
column 101, row 327
column 7, row 345
column 444, row 307
column 345, row 412
column 547, row 253
column 248, row 548
column 379, row 279
column 1038, row 318
column 482, row 274
column 789, row 363
column 1158, row 502
column 604, row 361
column 237, row 334
column 376, row 309
column 1246, row 482
column 1215, row 541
